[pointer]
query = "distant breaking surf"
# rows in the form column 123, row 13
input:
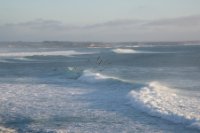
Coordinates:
column 124, row 51
column 48, row 53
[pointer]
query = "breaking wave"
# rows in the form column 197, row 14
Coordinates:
column 47, row 53
column 123, row 51
column 161, row 101
column 91, row 77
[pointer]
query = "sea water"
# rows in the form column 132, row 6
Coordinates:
column 66, row 87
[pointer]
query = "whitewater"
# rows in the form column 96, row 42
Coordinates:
column 88, row 87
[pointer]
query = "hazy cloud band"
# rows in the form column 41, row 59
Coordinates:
column 172, row 29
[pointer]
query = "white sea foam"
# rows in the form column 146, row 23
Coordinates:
column 159, row 100
column 24, row 102
column 96, row 77
column 7, row 130
column 44, row 105
column 123, row 51
column 53, row 53
column 92, row 77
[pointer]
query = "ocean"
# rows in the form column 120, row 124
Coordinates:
column 74, row 87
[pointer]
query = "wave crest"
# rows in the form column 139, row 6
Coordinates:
column 124, row 51
column 92, row 77
column 47, row 53
column 159, row 100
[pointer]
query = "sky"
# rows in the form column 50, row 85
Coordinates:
column 99, row 20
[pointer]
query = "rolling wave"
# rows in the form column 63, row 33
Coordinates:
column 96, row 77
column 161, row 101
column 155, row 99
column 91, row 77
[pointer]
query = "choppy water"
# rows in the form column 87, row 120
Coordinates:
column 71, row 88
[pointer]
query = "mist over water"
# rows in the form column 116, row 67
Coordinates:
column 103, row 87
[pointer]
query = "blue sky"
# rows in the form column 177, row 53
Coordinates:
column 99, row 20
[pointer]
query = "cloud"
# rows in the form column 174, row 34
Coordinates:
column 116, row 23
column 188, row 24
column 180, row 22
column 40, row 24
column 172, row 29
